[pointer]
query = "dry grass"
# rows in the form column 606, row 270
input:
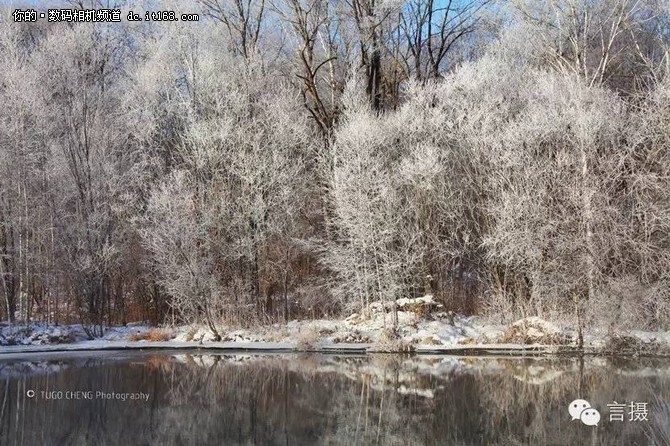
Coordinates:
column 389, row 341
column 430, row 341
column 352, row 337
column 533, row 331
column 467, row 341
column 308, row 338
column 626, row 345
column 152, row 335
column 277, row 335
column 190, row 334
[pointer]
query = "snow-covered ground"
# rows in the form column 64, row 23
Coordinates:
column 422, row 325
column 41, row 334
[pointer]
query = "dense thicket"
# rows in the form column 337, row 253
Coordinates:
column 304, row 158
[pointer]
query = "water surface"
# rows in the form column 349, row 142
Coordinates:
column 211, row 399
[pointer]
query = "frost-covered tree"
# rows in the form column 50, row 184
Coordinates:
column 205, row 165
column 640, row 288
column 367, row 252
column 238, row 176
column 24, row 195
column 618, row 43
column 80, row 73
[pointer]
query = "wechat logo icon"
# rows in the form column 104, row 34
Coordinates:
column 582, row 410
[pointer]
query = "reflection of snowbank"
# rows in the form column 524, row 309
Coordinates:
column 416, row 375
column 422, row 375
column 29, row 368
column 538, row 375
column 426, row 393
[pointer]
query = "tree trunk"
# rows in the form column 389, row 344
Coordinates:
column 374, row 76
column 587, row 212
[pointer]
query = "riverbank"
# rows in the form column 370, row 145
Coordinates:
column 516, row 350
column 289, row 347
column 421, row 327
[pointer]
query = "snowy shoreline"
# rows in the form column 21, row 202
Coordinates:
column 415, row 333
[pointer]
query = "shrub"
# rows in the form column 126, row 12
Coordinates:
column 152, row 335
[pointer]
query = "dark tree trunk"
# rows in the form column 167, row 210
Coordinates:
column 375, row 77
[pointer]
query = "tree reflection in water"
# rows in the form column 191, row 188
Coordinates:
column 324, row 399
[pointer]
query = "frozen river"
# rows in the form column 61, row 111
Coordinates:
column 175, row 398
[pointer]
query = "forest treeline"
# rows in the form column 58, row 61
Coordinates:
column 304, row 158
